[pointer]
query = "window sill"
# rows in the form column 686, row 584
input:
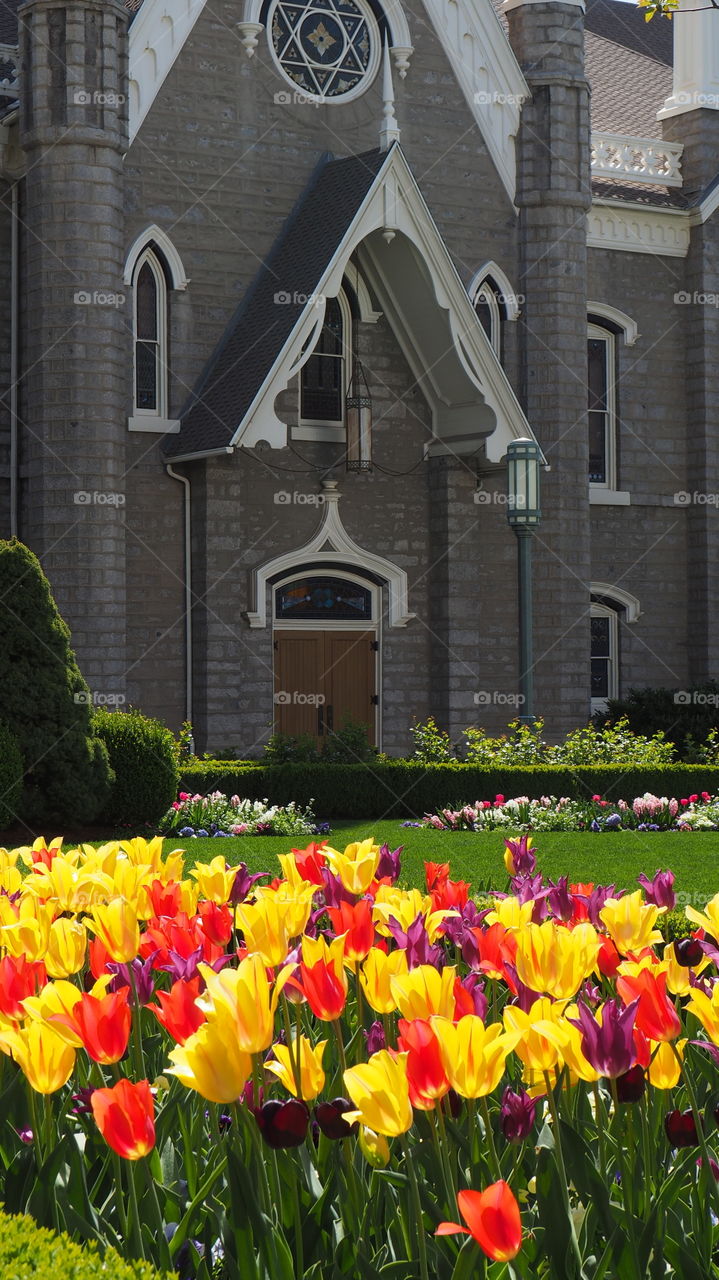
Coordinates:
column 322, row 433
column 608, row 497
column 163, row 426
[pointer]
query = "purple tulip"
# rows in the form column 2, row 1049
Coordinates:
column 330, row 1118
column 597, row 899
column 475, row 986
column 335, row 892
column 524, row 859
column 242, row 884
column 632, row 1085
column 609, row 1047
column 81, row 1101
column 182, row 968
column 560, row 899
column 681, row 1129
column 137, row 976
column 389, row 865
column 415, row 942
column 688, row 952
column 660, row 890
column 26, row 1135
column 283, row 1124
column 375, row 1038
column 516, row 1115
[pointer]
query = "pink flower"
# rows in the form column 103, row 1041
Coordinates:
column 693, row 799
column 184, row 795
column 596, row 799
column 239, row 830
column 499, row 799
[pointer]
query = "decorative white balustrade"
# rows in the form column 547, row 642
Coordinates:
column 8, row 71
column 616, row 156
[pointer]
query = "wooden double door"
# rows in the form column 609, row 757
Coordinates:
column 323, row 680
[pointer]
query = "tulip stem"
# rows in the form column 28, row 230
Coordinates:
column 138, row 1056
column 294, row 1057
column 337, row 1028
column 417, row 1210
column 136, row 1229
column 447, row 1154
column 552, row 1104
column 120, row 1195
column 489, row 1134
column 599, row 1120
column 706, row 1154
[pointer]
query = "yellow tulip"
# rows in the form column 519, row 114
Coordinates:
column 473, row 1055
column 265, row 925
column 29, row 934
column 296, row 904
column 678, row 976
column 57, row 1001
column 556, row 960
column 115, row 924
column 664, row 1070
column 707, row 919
column 44, row 1058
column 630, row 921
column 380, row 1092
column 72, row 888
column 404, row 905
column 148, row 853
column 706, row 1009
column 66, row 948
column 211, row 1062
column 544, row 1033
column 215, row 879
column 510, row 912
column 374, row 1147
column 308, row 1059
column 25, row 852
column 424, row 991
column 378, row 969
column 244, row 994
column 357, row 866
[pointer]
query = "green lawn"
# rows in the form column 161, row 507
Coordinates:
column 605, row 858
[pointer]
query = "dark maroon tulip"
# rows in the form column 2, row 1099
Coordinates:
column 283, row 1124
column 688, row 952
column 375, row 1038
column 660, row 890
column 517, row 1114
column 330, row 1118
column 632, row 1085
column 452, row 1104
column 681, row 1129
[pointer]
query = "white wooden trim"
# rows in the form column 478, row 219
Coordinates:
column 155, row 235
column 151, row 422
column 157, row 37
column 628, row 602
column 153, row 417
column 511, row 301
column 603, row 611
column 601, row 497
column 635, row 228
column 617, row 317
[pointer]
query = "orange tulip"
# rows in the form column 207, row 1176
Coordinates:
column 355, row 922
column 425, row 1072
column 656, row 1015
column 19, row 978
column 125, row 1116
column 100, row 1023
column 177, row 1011
column 492, row 1218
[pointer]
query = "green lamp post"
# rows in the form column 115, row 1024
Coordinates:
column 524, row 514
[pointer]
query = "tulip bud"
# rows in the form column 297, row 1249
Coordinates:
column 681, row 1129
column 375, row 1038
column 374, row 1148
column 689, row 952
column 330, row 1118
column 517, row 1114
column 632, row 1085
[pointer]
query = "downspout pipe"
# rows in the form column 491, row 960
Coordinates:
column 188, row 591
column 14, row 359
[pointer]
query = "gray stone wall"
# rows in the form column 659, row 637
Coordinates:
column 5, row 308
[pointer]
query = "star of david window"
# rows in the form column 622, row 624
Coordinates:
column 327, row 49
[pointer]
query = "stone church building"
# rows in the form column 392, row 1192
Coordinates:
column 281, row 280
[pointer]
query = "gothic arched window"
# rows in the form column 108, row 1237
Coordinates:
column 150, row 338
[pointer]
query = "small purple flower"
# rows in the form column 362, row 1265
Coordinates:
column 415, row 942
column 609, row 1047
column 186, row 831
column 594, row 825
column 523, row 858
column 242, row 884
column 137, row 976
column 81, row 1101
column 613, row 822
column 26, row 1135
column 475, row 986
column 517, row 1115
column 375, row 1038
column 389, row 864
column 660, row 890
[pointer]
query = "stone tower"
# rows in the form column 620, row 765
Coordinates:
column 553, row 195
column 75, row 326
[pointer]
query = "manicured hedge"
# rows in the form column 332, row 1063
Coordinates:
column 405, row 789
column 143, row 756
column 29, row 1252
column 11, row 775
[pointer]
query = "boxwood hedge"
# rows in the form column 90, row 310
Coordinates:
column 406, row 789
column 30, row 1252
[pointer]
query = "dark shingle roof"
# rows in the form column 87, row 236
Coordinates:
column 628, row 88
column 625, row 25
column 639, row 193
column 274, row 303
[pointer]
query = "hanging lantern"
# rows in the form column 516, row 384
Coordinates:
column 358, row 415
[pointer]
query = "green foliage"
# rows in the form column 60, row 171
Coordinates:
column 674, row 924
column 409, row 789
column 29, row 1252
column 284, row 747
column 11, row 770
column 143, row 754
column 186, row 742
column 685, row 722
column 45, row 700
column 432, row 745
column 521, row 745
column 348, row 745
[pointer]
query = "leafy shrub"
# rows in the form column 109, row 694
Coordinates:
column 143, row 754
column 29, row 1252
column 409, row 789
column 432, row 745
column 521, row 745
column 674, row 925
column 283, row 747
column 45, row 700
column 684, row 723
column 11, row 771
column 348, row 745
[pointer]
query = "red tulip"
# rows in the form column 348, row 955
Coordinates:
column 425, row 1072
column 492, row 1218
column 450, row 895
column 101, row 1023
column 435, row 873
column 125, row 1116
column 177, row 1012
column 216, row 922
column 19, row 978
column 164, row 899
column 656, row 1015
column 355, row 921
column 310, row 861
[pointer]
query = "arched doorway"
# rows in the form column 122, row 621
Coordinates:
column 326, row 654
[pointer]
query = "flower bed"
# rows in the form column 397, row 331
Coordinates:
column 538, row 1064
column 220, row 815
column 644, row 813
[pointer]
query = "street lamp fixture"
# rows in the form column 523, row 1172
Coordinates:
column 524, row 514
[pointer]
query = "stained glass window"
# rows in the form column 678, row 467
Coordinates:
column 327, row 48
column 319, row 598
column 149, row 337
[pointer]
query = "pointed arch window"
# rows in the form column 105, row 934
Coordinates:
column 323, row 378
column 151, row 355
column 492, row 313
column 604, row 630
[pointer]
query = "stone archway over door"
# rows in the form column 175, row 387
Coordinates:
column 325, row 679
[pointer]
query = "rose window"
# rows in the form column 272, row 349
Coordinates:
column 326, row 49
